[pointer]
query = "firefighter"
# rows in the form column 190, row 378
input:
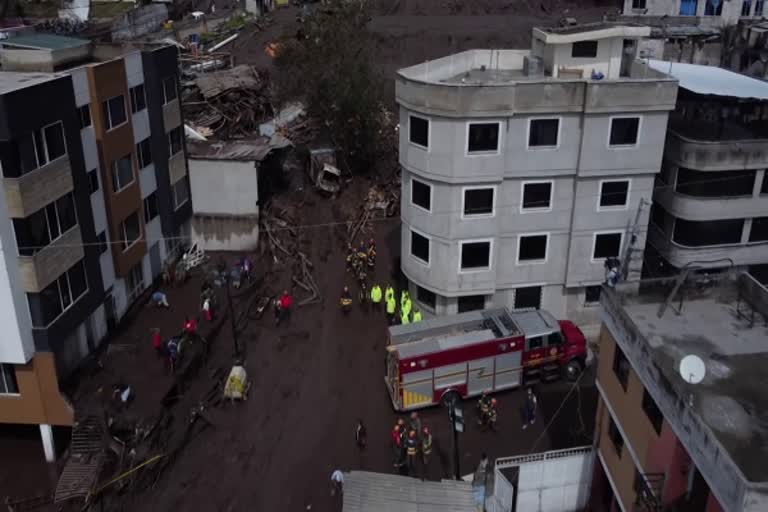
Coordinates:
column 415, row 423
column 371, row 252
column 426, row 445
column 350, row 258
column 413, row 449
column 346, row 300
column 361, row 435
column 376, row 296
column 391, row 308
column 403, row 296
column 362, row 254
column 491, row 416
column 364, row 296
column 389, row 293
column 406, row 307
column 416, row 315
column 397, row 442
column 404, row 319
column 483, row 406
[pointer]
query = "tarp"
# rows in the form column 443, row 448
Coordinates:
column 712, row 80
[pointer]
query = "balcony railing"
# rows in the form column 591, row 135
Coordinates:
column 648, row 492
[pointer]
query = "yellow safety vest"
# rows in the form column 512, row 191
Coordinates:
column 391, row 306
column 404, row 318
column 376, row 294
column 417, row 316
column 407, row 307
column 389, row 294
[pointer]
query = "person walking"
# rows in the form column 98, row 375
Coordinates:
column 531, row 404
column 160, row 299
column 337, row 483
column 426, row 446
column 361, row 435
column 413, row 450
column 345, row 301
column 286, row 301
column 376, row 297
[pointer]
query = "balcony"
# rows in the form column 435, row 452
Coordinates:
column 177, row 166
column 708, row 146
column 45, row 266
column 171, row 115
column 709, row 208
column 30, row 192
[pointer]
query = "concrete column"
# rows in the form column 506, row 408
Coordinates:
column 46, row 433
column 759, row 178
column 745, row 231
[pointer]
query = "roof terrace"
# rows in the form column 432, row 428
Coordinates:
column 722, row 421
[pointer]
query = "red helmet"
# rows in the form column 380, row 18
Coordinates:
column 493, row 401
column 426, row 430
column 412, row 433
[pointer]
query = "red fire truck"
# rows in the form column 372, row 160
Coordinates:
column 490, row 350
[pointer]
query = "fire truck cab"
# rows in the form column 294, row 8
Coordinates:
column 466, row 354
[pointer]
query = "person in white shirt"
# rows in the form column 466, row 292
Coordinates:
column 337, row 482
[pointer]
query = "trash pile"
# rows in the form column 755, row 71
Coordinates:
column 382, row 200
column 228, row 104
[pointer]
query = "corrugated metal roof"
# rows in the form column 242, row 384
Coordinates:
column 46, row 42
column 379, row 492
column 712, row 80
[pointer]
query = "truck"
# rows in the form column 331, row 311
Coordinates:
column 442, row 359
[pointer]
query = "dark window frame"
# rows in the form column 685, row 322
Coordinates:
column 414, row 197
column 107, row 106
column 170, row 84
column 426, row 298
column 8, row 383
column 419, row 257
column 101, row 239
column 621, row 143
column 592, row 294
column 483, row 210
column 638, row 4
column 532, row 259
column 117, row 184
column 478, row 139
column 688, row 233
column 144, row 153
column 621, row 367
column 466, row 303
column 601, row 248
column 126, row 242
column 614, row 434
column 418, row 132
column 175, row 141
column 548, row 207
column 469, row 245
column 84, row 116
column 180, row 184
column 584, row 49
column 138, row 98
column 151, row 207
column 520, row 294
column 93, row 180
column 652, row 412
column 535, row 133
column 608, row 199
column 63, row 290
column 52, row 219
column 758, row 231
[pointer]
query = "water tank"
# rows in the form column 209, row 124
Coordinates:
column 533, row 66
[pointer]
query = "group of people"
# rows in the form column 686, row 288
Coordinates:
column 408, row 441
column 361, row 258
column 487, row 413
column 406, row 313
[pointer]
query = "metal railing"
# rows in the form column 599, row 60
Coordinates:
column 505, row 462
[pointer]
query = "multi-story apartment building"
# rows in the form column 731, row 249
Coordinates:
column 96, row 199
column 709, row 12
column 672, row 436
column 523, row 171
column 710, row 204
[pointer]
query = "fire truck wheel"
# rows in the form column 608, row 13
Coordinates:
column 450, row 398
column 573, row 369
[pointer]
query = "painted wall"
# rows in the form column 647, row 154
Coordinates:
column 607, row 61
column 210, row 180
column 39, row 399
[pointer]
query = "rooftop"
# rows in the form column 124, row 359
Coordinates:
column 724, row 320
column 45, row 42
column 254, row 149
column 712, row 80
column 11, row 81
column 590, row 32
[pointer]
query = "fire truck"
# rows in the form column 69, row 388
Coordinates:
column 444, row 358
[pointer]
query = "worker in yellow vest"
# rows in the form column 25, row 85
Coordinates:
column 416, row 315
column 390, row 292
column 391, row 308
column 403, row 297
column 404, row 318
column 406, row 307
column 376, row 297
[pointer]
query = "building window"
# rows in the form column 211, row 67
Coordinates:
column 624, row 131
column 122, row 173
column 174, row 141
column 138, row 99
column 532, row 248
column 528, row 297
column 34, row 150
column 764, row 186
column 746, row 7
column 419, row 247
column 46, row 225
column 652, row 411
column 150, row 207
column 615, row 437
column 690, row 233
column 658, row 215
column 483, row 137
column 135, row 281
column 759, row 8
column 93, row 180
column 606, row 245
column 84, row 116
column 131, row 230
column 57, row 297
column 421, row 194
column 537, row 196
column 728, row 183
column 638, row 4
column 614, row 194
column 8, row 384
column 478, row 201
column 688, row 7
column 170, row 92
column 419, row 131
column 471, row 303
column 101, row 239
column 584, row 50
column 543, row 133
column 475, row 255
column 620, row 367
column 144, row 153
column 114, row 112
column 592, row 294
column 180, row 192
column 426, row 297
column 759, row 231
column 713, row 8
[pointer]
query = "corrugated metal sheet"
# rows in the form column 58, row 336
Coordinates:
column 712, row 80
column 379, row 492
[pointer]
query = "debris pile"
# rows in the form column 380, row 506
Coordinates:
column 229, row 104
column 382, row 200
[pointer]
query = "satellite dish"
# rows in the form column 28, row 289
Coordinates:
column 692, row 369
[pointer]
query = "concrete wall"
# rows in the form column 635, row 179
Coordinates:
column 139, row 21
column 211, row 180
column 607, row 61
column 226, row 233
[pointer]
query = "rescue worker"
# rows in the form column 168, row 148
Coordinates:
column 483, row 406
column 491, row 421
column 389, row 293
column 350, row 258
column 407, row 307
column 416, row 315
column 426, row 446
column 412, row 449
column 190, row 325
column 404, row 318
column 371, row 253
column 346, row 300
column 207, row 309
column 361, row 435
column 403, row 296
column 362, row 254
column 364, row 297
column 415, row 422
column 391, row 308
column 397, row 441
column 286, row 301
column 376, row 296
column 160, row 299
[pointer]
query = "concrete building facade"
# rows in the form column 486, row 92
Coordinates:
column 524, row 170
column 667, row 440
column 710, row 203
column 89, row 214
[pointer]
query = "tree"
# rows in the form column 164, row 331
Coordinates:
column 329, row 66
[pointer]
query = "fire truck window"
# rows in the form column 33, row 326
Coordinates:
column 555, row 338
column 534, row 343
